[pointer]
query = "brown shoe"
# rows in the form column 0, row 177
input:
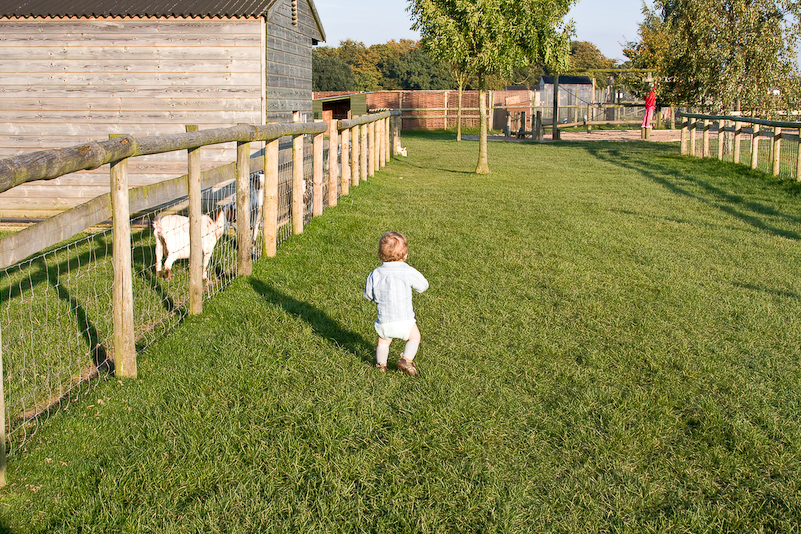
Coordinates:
column 407, row 367
column 382, row 367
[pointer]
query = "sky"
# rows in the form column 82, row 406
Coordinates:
column 605, row 23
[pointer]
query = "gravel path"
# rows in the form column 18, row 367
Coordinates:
column 595, row 135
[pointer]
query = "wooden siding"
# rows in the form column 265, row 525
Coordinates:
column 65, row 82
column 289, row 51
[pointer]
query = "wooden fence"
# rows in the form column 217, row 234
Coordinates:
column 771, row 146
column 356, row 149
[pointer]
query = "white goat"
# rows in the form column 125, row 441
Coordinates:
column 256, row 203
column 172, row 240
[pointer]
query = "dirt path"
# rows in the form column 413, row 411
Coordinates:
column 596, row 135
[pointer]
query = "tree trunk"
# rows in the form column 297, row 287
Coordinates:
column 555, row 124
column 459, row 110
column 483, row 166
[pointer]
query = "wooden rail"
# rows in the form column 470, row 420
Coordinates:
column 735, row 127
column 122, row 202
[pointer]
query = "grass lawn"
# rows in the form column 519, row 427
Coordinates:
column 610, row 344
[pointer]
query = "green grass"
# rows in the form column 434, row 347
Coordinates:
column 610, row 344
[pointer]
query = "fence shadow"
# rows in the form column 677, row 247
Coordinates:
column 747, row 210
column 323, row 325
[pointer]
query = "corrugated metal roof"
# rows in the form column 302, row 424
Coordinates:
column 135, row 8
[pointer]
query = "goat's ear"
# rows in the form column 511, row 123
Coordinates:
column 221, row 217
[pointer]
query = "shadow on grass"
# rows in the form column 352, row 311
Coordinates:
column 775, row 292
column 427, row 167
column 320, row 322
column 676, row 180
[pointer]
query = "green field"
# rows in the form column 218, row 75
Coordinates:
column 610, row 344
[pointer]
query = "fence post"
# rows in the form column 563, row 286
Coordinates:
column 721, row 137
column 685, row 126
column 333, row 162
column 798, row 158
column 344, row 141
column 777, row 149
column 379, row 130
column 382, row 151
column 738, row 131
column 124, row 344
column 387, row 151
column 356, row 157
column 371, row 148
column 297, row 184
column 364, row 148
column 538, row 131
column 317, row 175
column 270, row 212
column 693, row 129
column 755, row 146
column 195, row 245
column 244, row 234
column 706, row 137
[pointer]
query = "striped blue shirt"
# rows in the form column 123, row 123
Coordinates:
column 390, row 287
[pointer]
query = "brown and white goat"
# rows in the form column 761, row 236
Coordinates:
column 172, row 240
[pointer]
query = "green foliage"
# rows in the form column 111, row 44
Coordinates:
column 586, row 56
column 416, row 70
column 483, row 38
column 329, row 73
column 487, row 37
column 363, row 61
column 394, row 65
column 721, row 55
column 610, row 344
column 405, row 64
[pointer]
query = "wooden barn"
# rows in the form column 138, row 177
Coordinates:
column 81, row 70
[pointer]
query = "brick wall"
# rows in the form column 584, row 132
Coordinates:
column 423, row 110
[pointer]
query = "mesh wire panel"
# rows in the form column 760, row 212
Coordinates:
column 789, row 159
column 55, row 318
column 284, row 196
column 56, row 329
column 56, row 309
column 787, row 148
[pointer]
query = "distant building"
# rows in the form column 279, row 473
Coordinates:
column 573, row 91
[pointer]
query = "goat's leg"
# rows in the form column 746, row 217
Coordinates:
column 159, row 253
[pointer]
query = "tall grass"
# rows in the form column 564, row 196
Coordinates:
column 610, row 344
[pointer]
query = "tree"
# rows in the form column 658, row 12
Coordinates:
column 364, row 63
column 722, row 55
column 485, row 37
column 416, row 70
column 329, row 73
column 388, row 55
column 586, row 56
column 405, row 64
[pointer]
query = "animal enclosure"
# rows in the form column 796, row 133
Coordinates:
column 771, row 146
column 82, row 297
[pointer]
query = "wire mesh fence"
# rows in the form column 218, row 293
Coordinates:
column 57, row 332
column 769, row 146
column 56, row 306
column 56, row 327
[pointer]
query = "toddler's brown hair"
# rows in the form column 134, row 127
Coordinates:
column 392, row 247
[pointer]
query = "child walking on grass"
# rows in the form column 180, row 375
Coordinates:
column 390, row 287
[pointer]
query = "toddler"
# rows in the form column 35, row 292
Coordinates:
column 390, row 287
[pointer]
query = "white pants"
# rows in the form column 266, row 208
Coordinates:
column 396, row 330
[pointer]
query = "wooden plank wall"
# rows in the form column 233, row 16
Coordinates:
column 289, row 62
column 65, row 82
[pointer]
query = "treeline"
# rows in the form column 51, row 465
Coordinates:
column 405, row 64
